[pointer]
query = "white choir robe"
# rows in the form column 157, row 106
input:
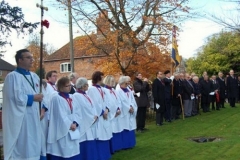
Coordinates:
column 114, row 104
column 103, row 130
column 128, row 121
column 88, row 112
column 59, row 142
column 47, row 92
column 21, row 123
column 88, row 147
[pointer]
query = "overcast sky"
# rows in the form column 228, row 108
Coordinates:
column 193, row 35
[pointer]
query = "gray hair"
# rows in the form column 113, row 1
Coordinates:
column 122, row 79
column 195, row 78
column 81, row 82
column 73, row 75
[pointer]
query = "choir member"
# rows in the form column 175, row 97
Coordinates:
column 115, row 108
column 88, row 146
column 128, row 113
column 64, row 120
column 104, row 130
column 20, row 111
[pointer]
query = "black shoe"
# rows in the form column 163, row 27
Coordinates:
column 144, row 129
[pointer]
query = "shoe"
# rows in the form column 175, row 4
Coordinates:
column 144, row 129
column 169, row 121
column 140, row 130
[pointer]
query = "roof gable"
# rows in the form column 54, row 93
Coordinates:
column 5, row 66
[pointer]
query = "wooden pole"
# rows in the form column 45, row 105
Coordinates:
column 182, row 107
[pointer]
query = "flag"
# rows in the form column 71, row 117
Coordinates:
column 175, row 55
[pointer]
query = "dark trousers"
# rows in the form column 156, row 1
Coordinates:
column 206, row 106
column 213, row 100
column 141, row 117
column 168, row 109
column 222, row 100
column 232, row 101
column 159, row 118
column 175, row 111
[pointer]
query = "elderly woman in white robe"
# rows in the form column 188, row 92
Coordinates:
column 64, row 120
column 115, row 111
column 104, row 129
column 88, row 146
column 128, row 113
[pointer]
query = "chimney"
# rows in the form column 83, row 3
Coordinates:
column 103, row 26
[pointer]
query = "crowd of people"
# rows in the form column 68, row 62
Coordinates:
column 69, row 119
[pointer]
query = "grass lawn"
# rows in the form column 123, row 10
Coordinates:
column 170, row 141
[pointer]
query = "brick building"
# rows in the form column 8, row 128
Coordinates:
column 83, row 61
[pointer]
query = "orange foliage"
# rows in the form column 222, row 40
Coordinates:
column 35, row 50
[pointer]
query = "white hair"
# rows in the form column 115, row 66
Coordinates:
column 73, row 75
column 81, row 82
column 122, row 79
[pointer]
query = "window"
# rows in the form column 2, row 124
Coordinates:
column 0, row 73
column 65, row 67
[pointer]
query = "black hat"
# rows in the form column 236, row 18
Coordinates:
column 166, row 72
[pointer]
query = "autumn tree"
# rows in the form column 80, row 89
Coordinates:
column 125, row 27
column 220, row 53
column 33, row 46
column 11, row 19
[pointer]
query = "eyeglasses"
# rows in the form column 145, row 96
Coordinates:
column 29, row 57
column 68, row 85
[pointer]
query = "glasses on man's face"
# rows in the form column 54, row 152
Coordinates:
column 68, row 85
column 29, row 57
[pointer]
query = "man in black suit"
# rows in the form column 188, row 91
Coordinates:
column 176, row 97
column 215, row 88
column 205, row 90
column 187, row 95
column 158, row 91
column 222, row 89
column 73, row 78
column 232, row 88
column 168, row 94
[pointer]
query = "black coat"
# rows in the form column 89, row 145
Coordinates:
column 232, row 87
column 222, row 87
column 188, row 90
column 205, row 89
column 158, row 91
column 168, row 88
column 196, row 87
column 176, row 91
column 143, row 88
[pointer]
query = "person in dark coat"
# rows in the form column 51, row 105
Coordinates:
column 197, row 95
column 202, row 78
column 176, row 97
column 158, row 91
column 205, row 90
column 215, row 88
column 73, row 78
column 168, row 95
column 187, row 95
column 222, row 89
column 142, row 87
column 232, row 88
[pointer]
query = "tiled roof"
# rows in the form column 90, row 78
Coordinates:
column 5, row 66
column 80, row 49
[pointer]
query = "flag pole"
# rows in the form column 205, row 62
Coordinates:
column 41, row 47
